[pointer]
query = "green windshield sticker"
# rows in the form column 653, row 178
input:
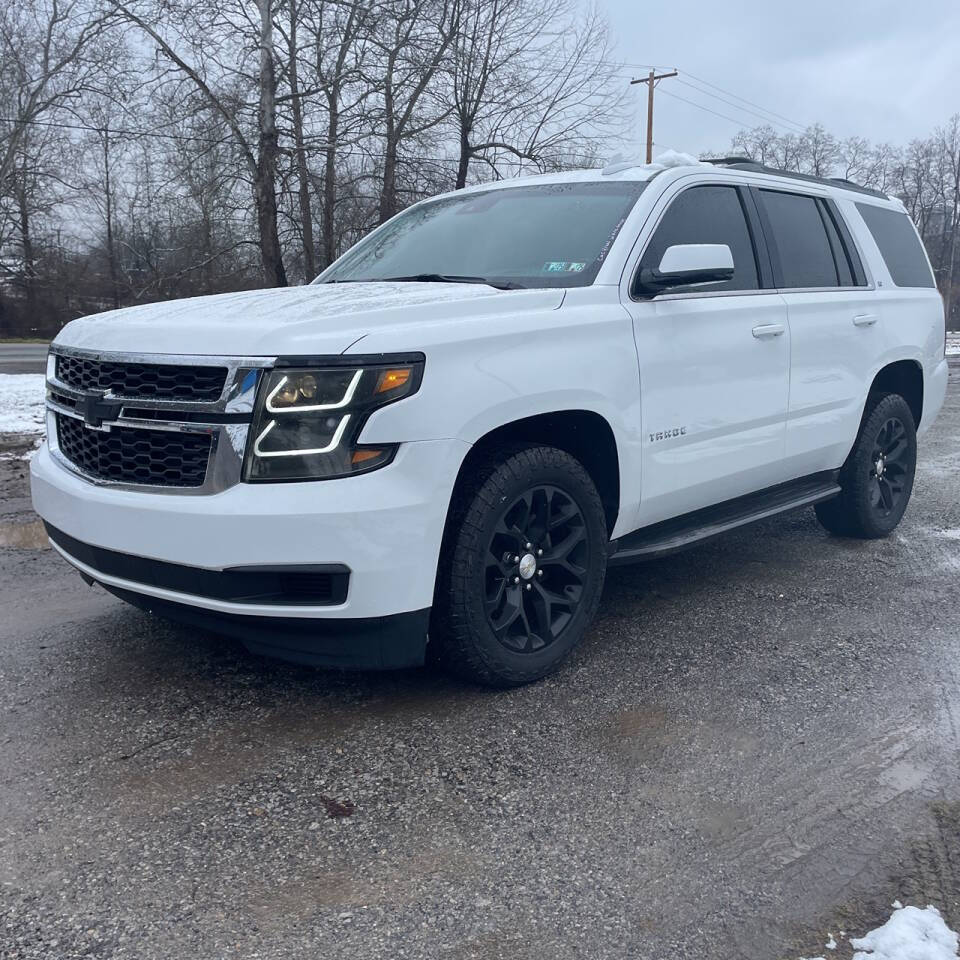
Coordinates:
column 563, row 266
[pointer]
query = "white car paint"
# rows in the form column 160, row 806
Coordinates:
column 708, row 397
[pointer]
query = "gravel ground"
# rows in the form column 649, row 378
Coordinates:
column 756, row 746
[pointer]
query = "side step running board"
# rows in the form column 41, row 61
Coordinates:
column 669, row 536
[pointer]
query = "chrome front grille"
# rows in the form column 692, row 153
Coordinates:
column 165, row 424
column 157, row 458
column 155, row 381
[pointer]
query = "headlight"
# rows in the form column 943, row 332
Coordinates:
column 307, row 421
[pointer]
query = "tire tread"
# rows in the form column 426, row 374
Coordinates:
column 454, row 639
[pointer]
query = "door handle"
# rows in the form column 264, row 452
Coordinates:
column 766, row 330
column 865, row 320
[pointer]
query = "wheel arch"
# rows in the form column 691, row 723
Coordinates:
column 904, row 377
column 584, row 434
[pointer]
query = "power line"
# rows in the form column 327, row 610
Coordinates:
column 737, row 106
column 700, row 106
column 729, row 93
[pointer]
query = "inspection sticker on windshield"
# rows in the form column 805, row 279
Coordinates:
column 563, row 266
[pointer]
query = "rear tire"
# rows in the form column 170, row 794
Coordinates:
column 877, row 479
column 522, row 567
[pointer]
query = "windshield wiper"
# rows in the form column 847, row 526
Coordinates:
column 454, row 278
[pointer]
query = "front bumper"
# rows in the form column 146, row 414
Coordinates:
column 384, row 528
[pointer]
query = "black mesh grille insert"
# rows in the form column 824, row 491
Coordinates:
column 155, row 381
column 161, row 458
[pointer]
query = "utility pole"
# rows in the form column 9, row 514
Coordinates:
column 651, row 82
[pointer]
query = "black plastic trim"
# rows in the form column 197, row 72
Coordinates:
column 282, row 585
column 759, row 235
column 831, row 215
column 679, row 533
column 350, row 360
column 355, row 643
column 773, row 251
column 169, row 415
column 850, row 247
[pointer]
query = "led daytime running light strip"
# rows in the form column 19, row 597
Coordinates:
column 347, row 397
column 332, row 445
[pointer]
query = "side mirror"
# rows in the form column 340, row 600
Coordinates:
column 687, row 264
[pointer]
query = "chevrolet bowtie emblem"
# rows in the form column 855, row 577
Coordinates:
column 96, row 409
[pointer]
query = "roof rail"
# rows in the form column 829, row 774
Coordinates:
column 727, row 161
column 754, row 166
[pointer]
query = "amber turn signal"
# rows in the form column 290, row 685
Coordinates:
column 394, row 378
column 362, row 456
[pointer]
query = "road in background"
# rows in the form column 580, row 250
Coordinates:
column 23, row 357
column 756, row 747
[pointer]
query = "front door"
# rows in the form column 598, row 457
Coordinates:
column 714, row 363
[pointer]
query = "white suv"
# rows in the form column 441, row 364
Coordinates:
column 437, row 448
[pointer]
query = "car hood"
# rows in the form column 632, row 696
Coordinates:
column 316, row 319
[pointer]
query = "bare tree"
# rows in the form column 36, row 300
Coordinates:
column 947, row 146
column 340, row 33
column 331, row 114
column 261, row 160
column 818, row 152
column 49, row 56
column 413, row 38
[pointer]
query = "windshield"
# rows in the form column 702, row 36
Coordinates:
column 549, row 235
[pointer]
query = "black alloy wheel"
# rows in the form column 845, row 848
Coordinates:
column 891, row 467
column 877, row 478
column 521, row 568
column 537, row 560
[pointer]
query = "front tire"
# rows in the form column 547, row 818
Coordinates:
column 877, row 479
column 522, row 567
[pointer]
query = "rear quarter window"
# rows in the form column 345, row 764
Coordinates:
column 899, row 245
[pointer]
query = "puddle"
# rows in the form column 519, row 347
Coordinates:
column 24, row 536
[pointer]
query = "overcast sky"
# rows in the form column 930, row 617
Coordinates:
column 885, row 70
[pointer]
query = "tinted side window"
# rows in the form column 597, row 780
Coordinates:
column 899, row 245
column 707, row 214
column 801, row 240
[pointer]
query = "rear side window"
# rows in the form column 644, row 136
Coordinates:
column 899, row 245
column 801, row 240
column 708, row 214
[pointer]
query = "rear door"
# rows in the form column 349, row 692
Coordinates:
column 713, row 360
column 835, row 328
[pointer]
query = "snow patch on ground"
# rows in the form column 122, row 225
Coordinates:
column 909, row 934
column 21, row 402
column 953, row 344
